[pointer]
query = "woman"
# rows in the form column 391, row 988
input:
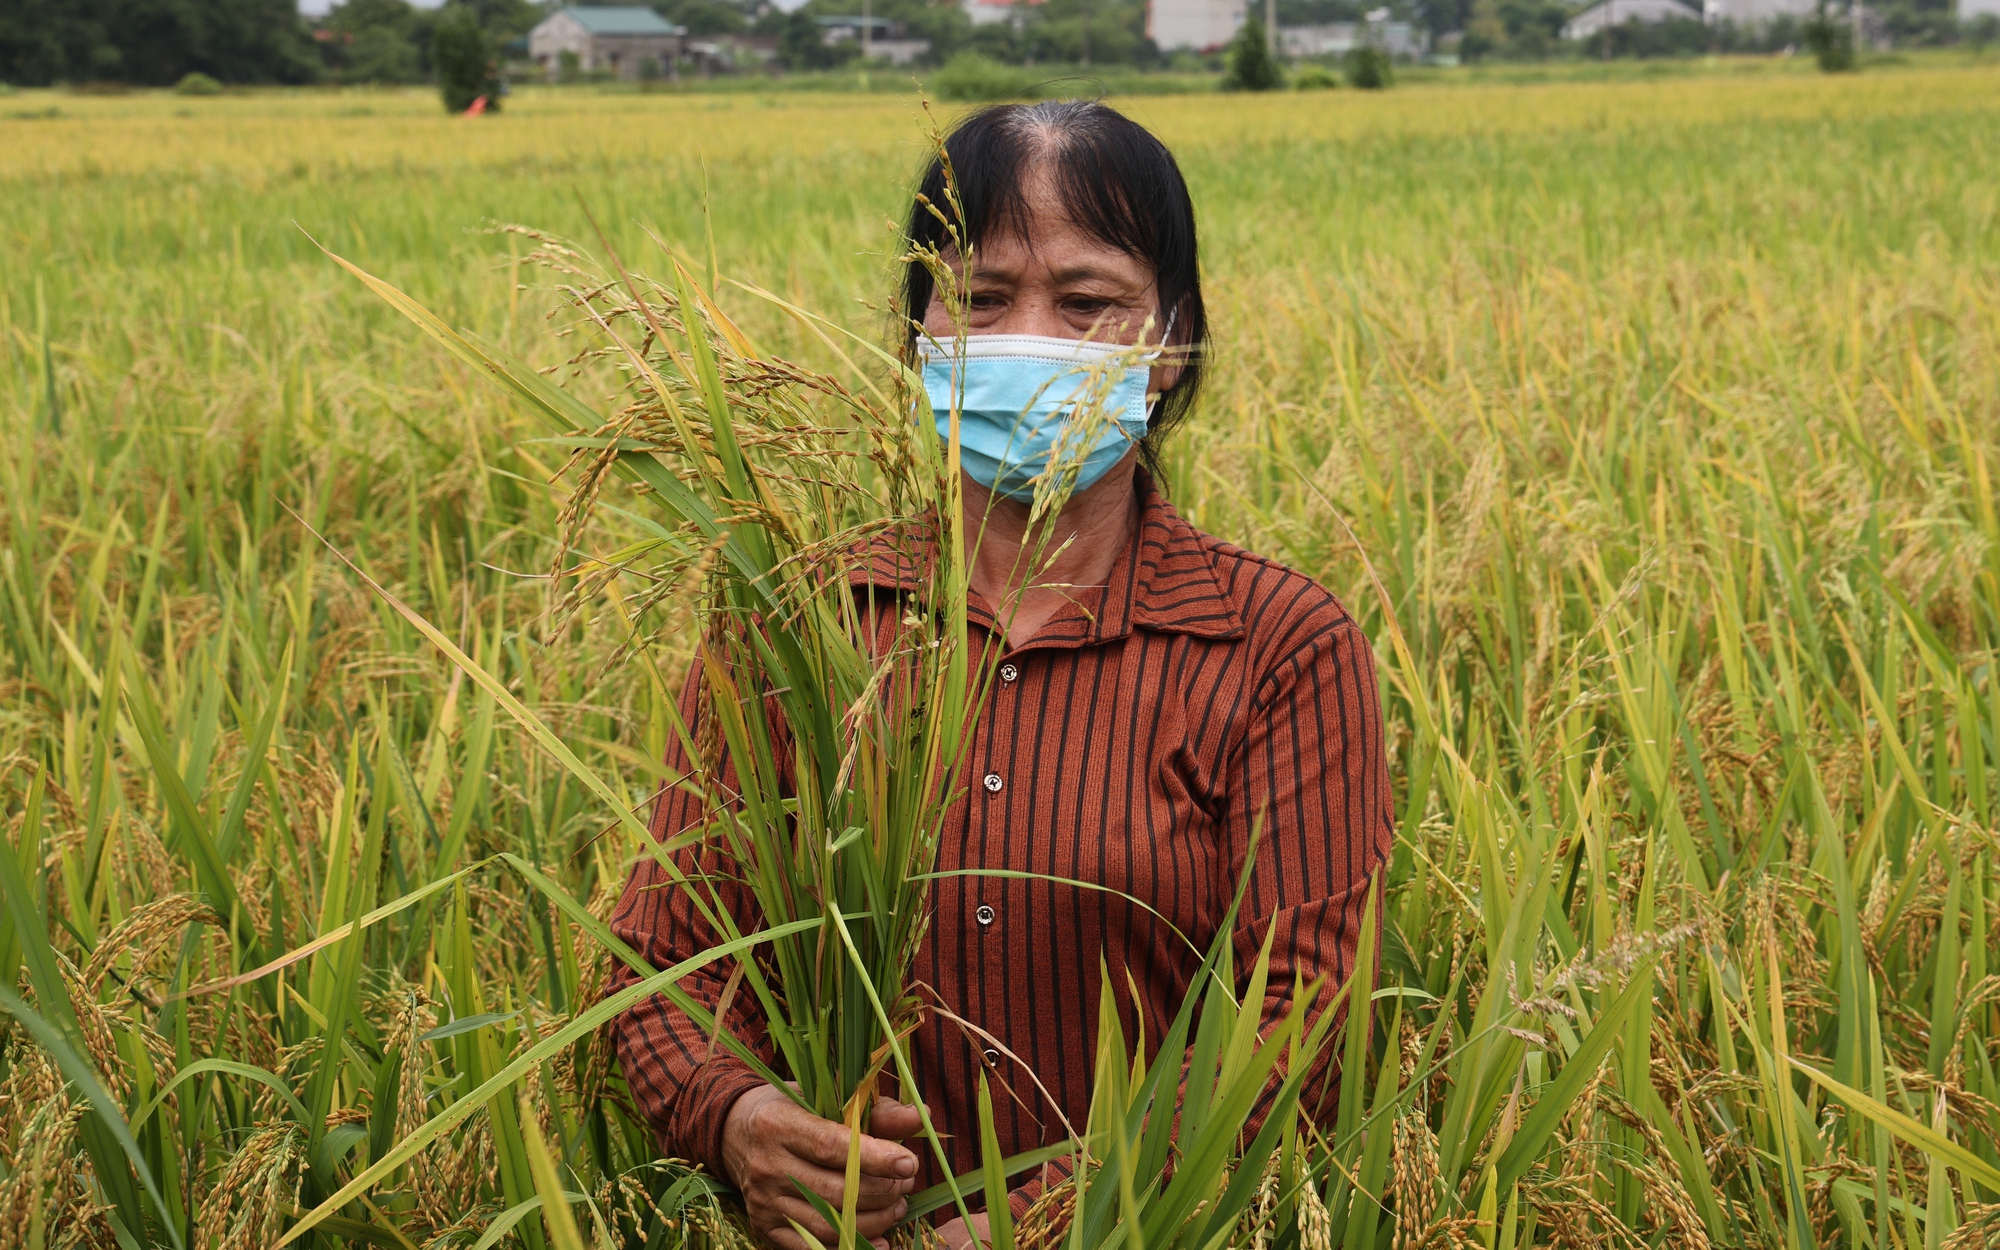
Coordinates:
column 1161, row 695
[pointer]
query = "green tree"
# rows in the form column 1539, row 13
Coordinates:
column 802, row 44
column 463, row 54
column 1831, row 40
column 1534, row 27
column 1251, row 67
column 1367, row 67
column 703, row 17
column 154, row 43
column 1099, row 32
column 505, row 19
column 376, row 41
column 942, row 22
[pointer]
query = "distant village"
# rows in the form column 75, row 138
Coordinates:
column 634, row 41
column 986, row 45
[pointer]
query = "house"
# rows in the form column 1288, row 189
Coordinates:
column 1756, row 12
column 882, row 39
column 1970, row 9
column 988, row 12
column 730, row 54
column 1401, row 40
column 1608, row 13
column 619, row 39
column 1203, row 25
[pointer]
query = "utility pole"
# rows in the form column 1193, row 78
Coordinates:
column 1271, row 27
column 1085, row 6
column 867, row 35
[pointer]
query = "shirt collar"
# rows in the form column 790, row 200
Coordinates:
column 1166, row 581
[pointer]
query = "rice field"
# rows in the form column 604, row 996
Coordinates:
column 1649, row 428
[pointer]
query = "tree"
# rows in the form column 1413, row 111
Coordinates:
column 1831, row 41
column 154, row 43
column 1251, row 66
column 1367, row 67
column 802, row 44
column 464, row 58
column 380, row 41
column 703, row 17
column 505, row 19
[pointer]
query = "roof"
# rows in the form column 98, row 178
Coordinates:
column 623, row 19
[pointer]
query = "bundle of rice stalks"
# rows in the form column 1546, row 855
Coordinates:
column 825, row 727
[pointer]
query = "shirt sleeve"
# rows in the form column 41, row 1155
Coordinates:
column 683, row 1080
column 1312, row 787
column 1309, row 781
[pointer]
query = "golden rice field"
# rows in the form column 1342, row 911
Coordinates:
column 1662, row 415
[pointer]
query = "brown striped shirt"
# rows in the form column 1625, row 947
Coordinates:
column 1133, row 743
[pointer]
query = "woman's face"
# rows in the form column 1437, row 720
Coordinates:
column 1057, row 282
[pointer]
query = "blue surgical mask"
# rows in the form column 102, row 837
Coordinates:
column 1016, row 395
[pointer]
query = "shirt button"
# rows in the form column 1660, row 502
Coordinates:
column 992, row 1057
column 993, row 783
column 984, row 915
column 1008, row 672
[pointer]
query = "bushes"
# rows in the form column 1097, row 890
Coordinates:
column 1680, row 37
column 464, row 60
column 971, row 76
column 197, row 83
column 1311, row 77
column 1368, row 68
column 1831, row 41
column 1251, row 65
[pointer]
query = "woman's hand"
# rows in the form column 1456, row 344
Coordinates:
column 959, row 1234
column 768, row 1141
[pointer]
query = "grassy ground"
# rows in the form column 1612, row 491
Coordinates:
column 1663, row 411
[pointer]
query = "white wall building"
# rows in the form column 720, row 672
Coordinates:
column 1609, row 13
column 1202, row 25
column 620, row 39
column 1757, row 12
column 1399, row 39
column 1969, row 9
column 984, row 14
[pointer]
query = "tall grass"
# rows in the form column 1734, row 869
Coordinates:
column 1662, row 416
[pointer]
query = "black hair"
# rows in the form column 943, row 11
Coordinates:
column 1116, row 181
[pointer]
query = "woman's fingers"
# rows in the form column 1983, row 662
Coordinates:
column 873, row 1194
column 773, row 1147
column 781, row 1212
column 877, row 1192
column 894, row 1121
column 873, row 1224
column 958, row 1235
column 825, row 1143
column 779, row 1217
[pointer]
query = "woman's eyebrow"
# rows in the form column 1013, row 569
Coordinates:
column 1086, row 272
